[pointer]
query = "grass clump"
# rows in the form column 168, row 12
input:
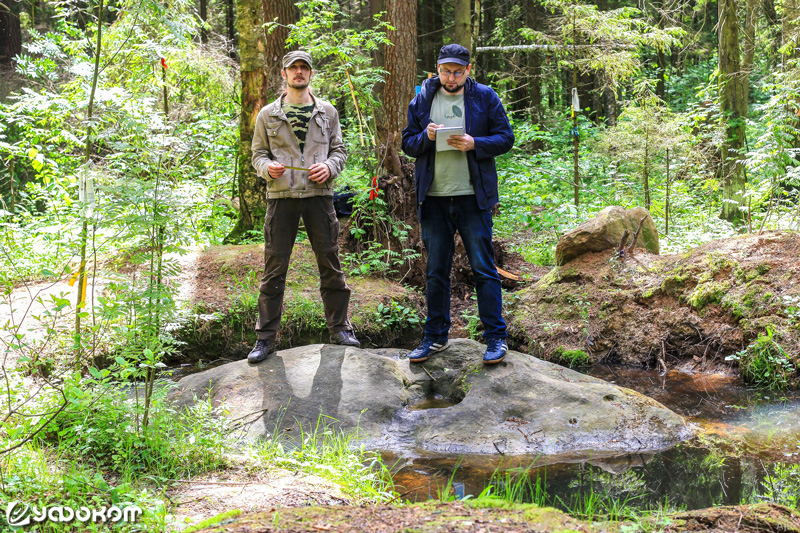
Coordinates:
column 765, row 363
column 331, row 453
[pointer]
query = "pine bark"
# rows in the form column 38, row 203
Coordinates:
column 463, row 23
column 400, row 81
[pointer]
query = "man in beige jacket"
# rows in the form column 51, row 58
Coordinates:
column 298, row 149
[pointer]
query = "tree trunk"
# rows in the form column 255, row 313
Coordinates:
column 260, row 58
column 661, row 75
column 11, row 41
column 204, row 18
column 609, row 101
column 463, row 23
column 733, row 106
column 400, row 81
column 429, row 20
column 230, row 26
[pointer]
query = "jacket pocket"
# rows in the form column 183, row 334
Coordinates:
column 319, row 130
column 277, row 139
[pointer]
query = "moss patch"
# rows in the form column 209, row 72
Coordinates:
column 570, row 358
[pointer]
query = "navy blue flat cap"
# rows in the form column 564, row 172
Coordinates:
column 453, row 53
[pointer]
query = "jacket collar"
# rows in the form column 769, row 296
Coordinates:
column 275, row 109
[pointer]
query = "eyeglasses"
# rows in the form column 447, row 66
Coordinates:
column 446, row 73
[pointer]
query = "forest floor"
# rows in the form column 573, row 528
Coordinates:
column 486, row 516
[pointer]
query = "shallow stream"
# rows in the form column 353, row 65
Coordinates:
column 748, row 451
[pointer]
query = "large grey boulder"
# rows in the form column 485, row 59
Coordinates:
column 521, row 406
column 604, row 231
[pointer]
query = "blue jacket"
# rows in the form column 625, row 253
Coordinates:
column 485, row 120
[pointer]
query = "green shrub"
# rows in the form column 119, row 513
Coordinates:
column 765, row 363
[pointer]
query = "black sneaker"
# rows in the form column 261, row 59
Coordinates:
column 263, row 349
column 345, row 338
column 426, row 348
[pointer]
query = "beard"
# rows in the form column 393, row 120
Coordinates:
column 455, row 90
column 297, row 84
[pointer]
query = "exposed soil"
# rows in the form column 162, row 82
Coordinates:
column 438, row 517
column 248, row 490
column 466, row 517
column 744, row 518
column 664, row 310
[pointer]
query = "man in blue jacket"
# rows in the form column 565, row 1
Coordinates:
column 456, row 190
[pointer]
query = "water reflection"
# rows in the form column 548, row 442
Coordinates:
column 685, row 477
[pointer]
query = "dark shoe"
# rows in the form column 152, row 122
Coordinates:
column 495, row 351
column 426, row 348
column 345, row 338
column 263, row 349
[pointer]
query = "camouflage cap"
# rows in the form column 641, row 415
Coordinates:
column 297, row 55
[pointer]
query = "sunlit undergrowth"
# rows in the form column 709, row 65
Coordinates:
column 332, row 454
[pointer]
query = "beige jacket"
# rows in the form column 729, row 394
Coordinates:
column 273, row 140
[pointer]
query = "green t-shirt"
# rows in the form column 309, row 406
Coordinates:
column 451, row 172
column 299, row 115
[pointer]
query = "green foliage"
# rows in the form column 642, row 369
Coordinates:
column 571, row 358
column 104, row 422
column 376, row 260
column 214, row 520
column 396, row 315
column 792, row 308
column 331, row 453
column 371, row 225
column 303, row 313
column 581, row 23
column 782, row 484
column 765, row 363
column 517, row 486
column 473, row 322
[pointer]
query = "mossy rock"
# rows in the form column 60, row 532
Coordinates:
column 604, row 232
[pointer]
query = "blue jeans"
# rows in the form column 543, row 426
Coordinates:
column 441, row 217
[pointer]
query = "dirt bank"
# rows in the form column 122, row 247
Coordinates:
column 702, row 306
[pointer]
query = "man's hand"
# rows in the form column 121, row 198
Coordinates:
column 432, row 130
column 276, row 170
column 319, row 172
column 465, row 142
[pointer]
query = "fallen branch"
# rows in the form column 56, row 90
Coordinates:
column 622, row 241
column 508, row 275
column 632, row 245
column 662, row 359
